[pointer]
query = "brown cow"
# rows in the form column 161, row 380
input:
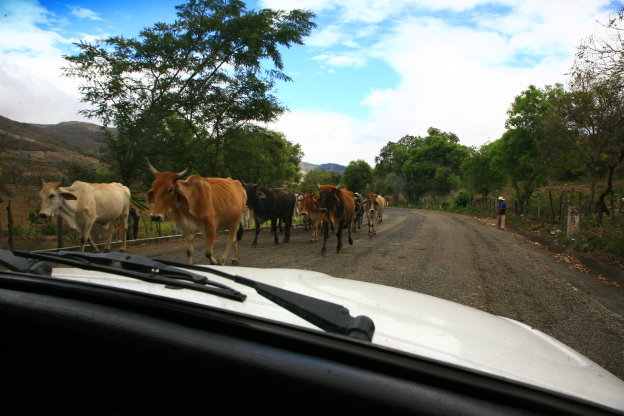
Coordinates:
column 382, row 205
column 311, row 214
column 199, row 204
column 338, row 205
column 371, row 206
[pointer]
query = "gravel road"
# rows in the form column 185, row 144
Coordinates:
column 458, row 258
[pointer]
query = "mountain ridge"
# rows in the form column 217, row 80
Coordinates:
column 41, row 149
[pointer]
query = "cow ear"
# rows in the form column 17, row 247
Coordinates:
column 68, row 196
column 150, row 196
column 261, row 194
column 191, row 189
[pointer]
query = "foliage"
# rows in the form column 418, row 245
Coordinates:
column 593, row 111
column 478, row 171
column 603, row 53
column 462, row 198
column 422, row 165
column 524, row 153
column 254, row 153
column 613, row 242
column 358, row 176
column 188, row 82
column 316, row 177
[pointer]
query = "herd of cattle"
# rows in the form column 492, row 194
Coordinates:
column 207, row 205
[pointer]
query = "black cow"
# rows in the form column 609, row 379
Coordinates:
column 274, row 204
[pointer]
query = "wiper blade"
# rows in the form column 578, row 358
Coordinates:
column 137, row 267
column 328, row 316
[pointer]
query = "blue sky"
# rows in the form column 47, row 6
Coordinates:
column 372, row 72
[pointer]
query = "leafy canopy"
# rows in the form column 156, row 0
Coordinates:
column 213, row 68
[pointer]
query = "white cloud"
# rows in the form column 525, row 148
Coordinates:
column 327, row 137
column 348, row 60
column 84, row 13
column 459, row 75
column 33, row 90
column 31, row 84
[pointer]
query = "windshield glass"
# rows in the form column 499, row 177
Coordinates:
column 452, row 173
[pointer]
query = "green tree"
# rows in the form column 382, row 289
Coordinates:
column 525, row 152
column 316, row 177
column 206, row 69
column 358, row 176
column 254, row 153
column 422, row 165
column 594, row 118
column 478, row 171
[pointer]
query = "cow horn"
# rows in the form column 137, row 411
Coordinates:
column 318, row 185
column 184, row 172
column 151, row 168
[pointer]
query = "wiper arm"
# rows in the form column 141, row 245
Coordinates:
column 137, row 267
column 328, row 316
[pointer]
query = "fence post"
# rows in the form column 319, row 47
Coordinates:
column 10, row 225
column 59, row 232
column 573, row 227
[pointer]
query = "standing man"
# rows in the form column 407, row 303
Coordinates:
column 500, row 211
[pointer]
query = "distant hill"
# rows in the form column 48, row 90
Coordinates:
column 41, row 150
column 29, row 151
column 332, row 167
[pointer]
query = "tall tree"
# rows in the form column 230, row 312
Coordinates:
column 603, row 53
column 207, row 68
column 478, row 171
column 358, row 176
column 254, row 153
column 316, row 177
column 525, row 154
column 422, row 165
column 594, row 117
column 594, row 108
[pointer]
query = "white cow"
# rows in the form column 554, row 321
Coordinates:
column 83, row 204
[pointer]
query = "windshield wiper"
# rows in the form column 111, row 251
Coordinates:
column 328, row 316
column 137, row 267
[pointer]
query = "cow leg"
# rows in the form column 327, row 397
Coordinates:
column 339, row 236
column 86, row 236
column 350, row 239
column 287, row 229
column 274, row 229
column 231, row 245
column 325, row 235
column 189, row 248
column 124, row 229
column 239, row 233
column 210, row 235
column 109, row 229
column 255, row 240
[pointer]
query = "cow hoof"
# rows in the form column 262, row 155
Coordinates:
column 234, row 262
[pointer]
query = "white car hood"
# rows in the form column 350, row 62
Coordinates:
column 414, row 323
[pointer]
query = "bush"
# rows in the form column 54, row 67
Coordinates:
column 613, row 241
column 462, row 199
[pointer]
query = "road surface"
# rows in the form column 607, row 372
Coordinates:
column 458, row 258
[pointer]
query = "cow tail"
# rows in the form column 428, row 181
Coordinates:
column 239, row 233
